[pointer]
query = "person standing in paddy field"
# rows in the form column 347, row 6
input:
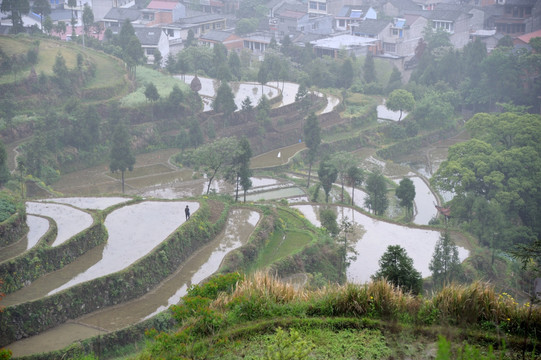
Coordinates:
column 187, row 212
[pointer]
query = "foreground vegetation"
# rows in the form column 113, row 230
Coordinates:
column 371, row 321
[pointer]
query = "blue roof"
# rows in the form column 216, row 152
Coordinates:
column 355, row 14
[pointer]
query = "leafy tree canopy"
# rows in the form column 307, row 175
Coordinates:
column 397, row 267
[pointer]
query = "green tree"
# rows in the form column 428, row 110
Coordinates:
column 245, row 26
column 327, row 218
column 4, row 171
column 16, row 9
column 406, row 193
column 355, row 177
column 214, row 157
column 400, row 100
column 342, row 161
column 61, row 74
column 157, row 59
column 195, row 133
column 88, row 18
column 395, row 80
column 327, row 174
column 376, row 187
column 234, row 65
column 346, row 74
column 445, row 264
column 312, row 138
column 190, row 39
column 151, row 92
column 48, row 25
column 369, row 69
column 241, row 167
column 175, row 99
column 60, row 27
column 397, row 267
column 224, row 102
column 122, row 158
column 42, row 8
column 133, row 55
column 247, row 104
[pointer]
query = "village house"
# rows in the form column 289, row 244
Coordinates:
column 230, row 40
column 152, row 39
column 402, row 37
column 350, row 14
column 161, row 12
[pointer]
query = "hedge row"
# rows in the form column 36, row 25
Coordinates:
column 34, row 317
column 241, row 258
column 406, row 146
column 13, row 228
column 43, row 258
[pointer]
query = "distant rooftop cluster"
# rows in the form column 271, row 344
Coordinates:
column 386, row 28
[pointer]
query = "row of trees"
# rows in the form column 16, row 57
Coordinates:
column 481, row 79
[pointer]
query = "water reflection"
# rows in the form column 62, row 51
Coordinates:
column 37, row 227
column 69, row 220
column 378, row 235
column 133, row 232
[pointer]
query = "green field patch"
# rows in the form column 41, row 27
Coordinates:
column 164, row 84
column 143, row 171
column 276, row 157
column 282, row 244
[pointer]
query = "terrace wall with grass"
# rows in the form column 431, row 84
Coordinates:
column 13, row 228
column 34, row 317
column 43, row 258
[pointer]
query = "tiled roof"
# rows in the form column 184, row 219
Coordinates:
column 122, row 14
column 215, row 35
column 527, row 37
column 162, row 5
column 148, row 36
column 371, row 27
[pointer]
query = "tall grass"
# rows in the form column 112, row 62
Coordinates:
column 476, row 304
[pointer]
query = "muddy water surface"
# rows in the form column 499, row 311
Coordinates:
column 133, row 232
column 372, row 237
column 37, row 227
column 199, row 266
column 70, row 221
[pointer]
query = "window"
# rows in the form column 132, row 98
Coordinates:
column 315, row 26
column 395, row 32
column 323, row 6
column 170, row 32
column 341, row 23
column 150, row 51
column 389, row 47
column 313, row 5
column 207, row 26
column 218, row 25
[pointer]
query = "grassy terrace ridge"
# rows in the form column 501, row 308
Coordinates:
column 109, row 71
column 233, row 317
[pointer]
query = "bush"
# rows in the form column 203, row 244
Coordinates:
column 8, row 206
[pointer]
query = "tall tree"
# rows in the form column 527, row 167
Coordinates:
column 234, row 65
column 342, row 161
column 376, row 187
column 406, row 193
column 88, row 18
column 242, row 165
column 122, row 158
column 346, row 74
column 215, row 156
column 224, row 102
column 72, row 4
column 312, row 138
column 16, row 9
column 4, row 171
column 397, row 267
column 445, row 264
column 400, row 100
column 43, row 8
column 355, row 177
column 369, row 68
column 327, row 174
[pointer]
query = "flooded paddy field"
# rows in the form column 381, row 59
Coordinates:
column 200, row 265
column 372, row 237
column 37, row 227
